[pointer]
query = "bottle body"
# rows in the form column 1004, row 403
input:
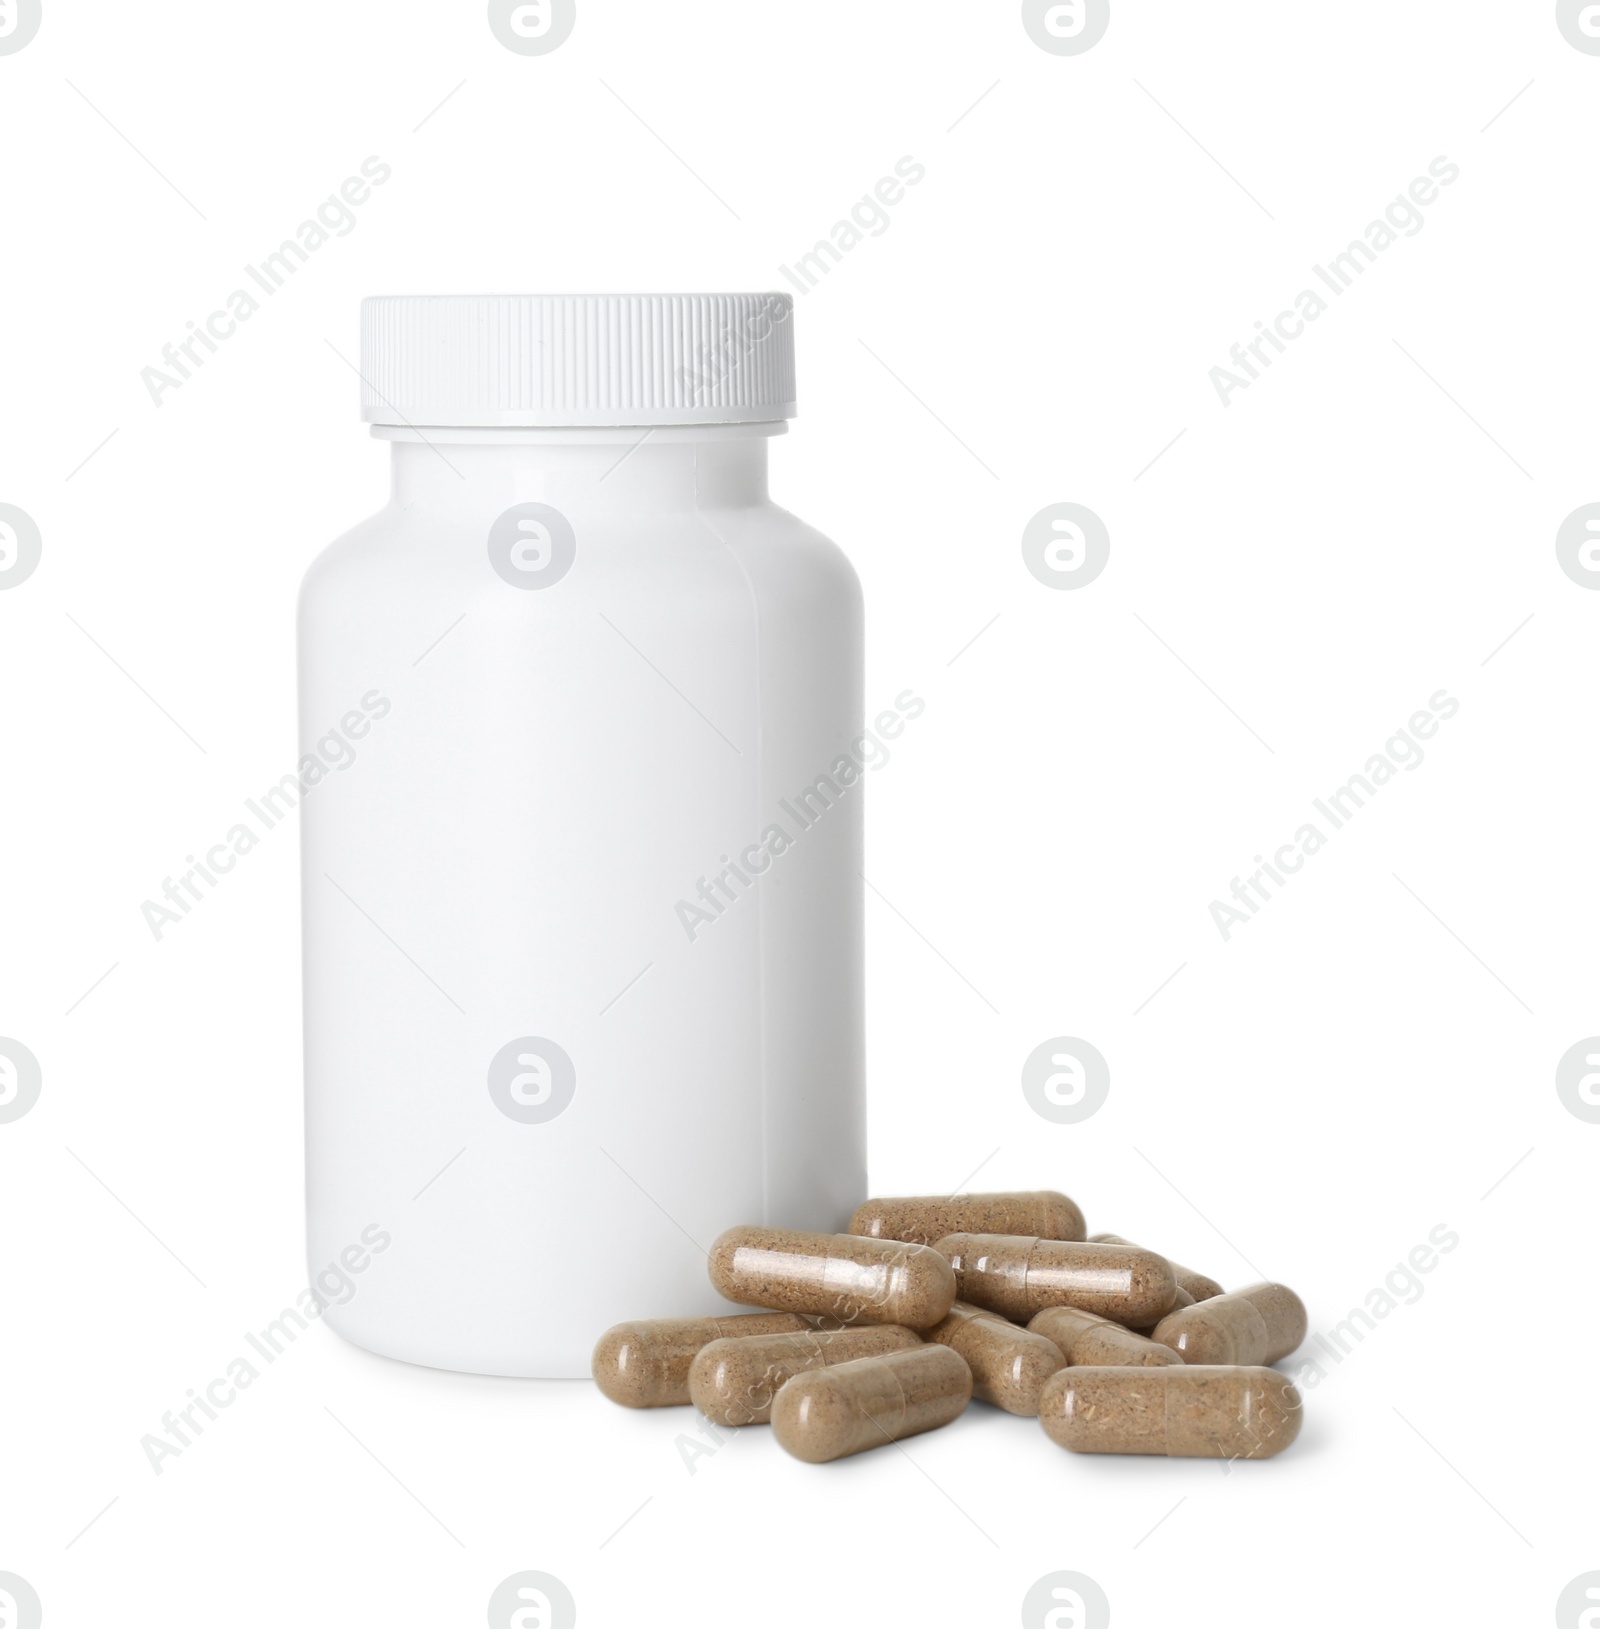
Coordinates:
column 583, row 916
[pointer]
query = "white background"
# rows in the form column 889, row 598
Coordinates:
column 1289, row 581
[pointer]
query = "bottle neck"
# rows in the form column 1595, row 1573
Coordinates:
column 681, row 468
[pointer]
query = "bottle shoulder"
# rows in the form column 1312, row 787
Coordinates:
column 399, row 544
column 792, row 549
column 349, row 551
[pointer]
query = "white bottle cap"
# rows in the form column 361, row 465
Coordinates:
column 536, row 360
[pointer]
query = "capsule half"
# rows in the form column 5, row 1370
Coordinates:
column 1256, row 1325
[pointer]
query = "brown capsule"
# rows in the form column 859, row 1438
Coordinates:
column 1182, row 1299
column 848, row 1407
column 1185, row 1413
column 1044, row 1214
column 833, row 1275
column 1009, row 1364
column 734, row 1382
column 1256, row 1325
column 1200, row 1287
column 645, row 1364
column 1085, row 1338
column 1019, row 1277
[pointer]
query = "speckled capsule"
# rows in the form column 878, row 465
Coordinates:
column 1009, row 1364
column 849, row 1407
column 1256, row 1325
column 1144, row 1324
column 734, row 1382
column 1019, row 1276
column 1085, row 1338
column 1199, row 1287
column 1184, row 1413
column 833, row 1275
column 645, row 1364
column 1043, row 1214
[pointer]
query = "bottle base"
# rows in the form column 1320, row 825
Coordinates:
column 425, row 1354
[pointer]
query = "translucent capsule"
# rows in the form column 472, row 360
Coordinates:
column 1183, row 1412
column 1144, row 1324
column 645, row 1364
column 829, row 1413
column 1043, row 1214
column 1087, row 1338
column 1021, row 1276
column 1256, row 1325
column 733, row 1382
column 1200, row 1287
column 834, row 1275
column 1009, row 1365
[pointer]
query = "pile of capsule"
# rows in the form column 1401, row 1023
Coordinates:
column 892, row 1328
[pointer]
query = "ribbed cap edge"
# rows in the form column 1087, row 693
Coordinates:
column 537, row 360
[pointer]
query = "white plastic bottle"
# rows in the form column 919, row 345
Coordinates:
column 581, row 836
